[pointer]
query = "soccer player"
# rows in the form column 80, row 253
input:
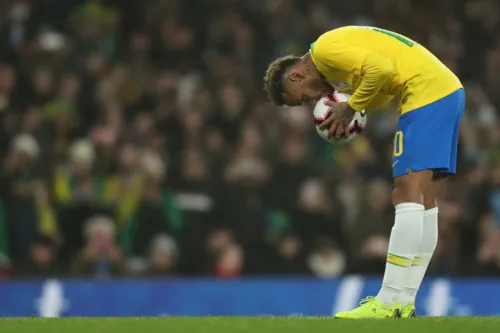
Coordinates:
column 375, row 66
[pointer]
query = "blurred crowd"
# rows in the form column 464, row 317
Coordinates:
column 135, row 140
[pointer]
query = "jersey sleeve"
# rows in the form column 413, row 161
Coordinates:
column 329, row 54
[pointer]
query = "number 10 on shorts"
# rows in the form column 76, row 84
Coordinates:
column 398, row 144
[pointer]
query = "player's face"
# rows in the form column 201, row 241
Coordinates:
column 304, row 87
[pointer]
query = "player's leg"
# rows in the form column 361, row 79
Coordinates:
column 425, row 250
column 404, row 243
column 430, row 226
column 424, row 144
column 406, row 234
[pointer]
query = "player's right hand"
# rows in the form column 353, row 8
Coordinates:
column 338, row 121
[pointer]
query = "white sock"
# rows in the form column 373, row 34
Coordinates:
column 404, row 242
column 422, row 258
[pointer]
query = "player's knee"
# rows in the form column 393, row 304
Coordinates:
column 429, row 201
column 406, row 192
column 410, row 187
column 431, row 194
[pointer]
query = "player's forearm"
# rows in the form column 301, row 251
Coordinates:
column 375, row 72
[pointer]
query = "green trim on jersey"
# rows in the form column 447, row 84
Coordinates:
column 311, row 48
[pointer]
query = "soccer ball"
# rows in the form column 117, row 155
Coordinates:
column 322, row 111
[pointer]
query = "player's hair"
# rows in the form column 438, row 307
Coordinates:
column 273, row 80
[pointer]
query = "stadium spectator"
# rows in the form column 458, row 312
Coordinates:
column 230, row 263
column 290, row 257
column 372, row 256
column 163, row 256
column 489, row 251
column 327, row 259
column 42, row 261
column 100, row 256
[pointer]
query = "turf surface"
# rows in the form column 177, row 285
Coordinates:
column 249, row 324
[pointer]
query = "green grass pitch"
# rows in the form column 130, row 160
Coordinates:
column 249, row 324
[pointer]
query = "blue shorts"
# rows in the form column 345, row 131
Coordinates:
column 427, row 138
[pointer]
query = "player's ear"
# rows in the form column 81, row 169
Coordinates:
column 295, row 75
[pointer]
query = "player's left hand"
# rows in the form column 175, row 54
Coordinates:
column 338, row 122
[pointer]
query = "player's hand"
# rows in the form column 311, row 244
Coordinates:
column 338, row 122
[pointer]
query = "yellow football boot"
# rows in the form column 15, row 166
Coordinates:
column 408, row 311
column 371, row 308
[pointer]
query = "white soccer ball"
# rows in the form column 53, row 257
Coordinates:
column 322, row 111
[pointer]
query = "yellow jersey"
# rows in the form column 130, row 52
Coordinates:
column 377, row 65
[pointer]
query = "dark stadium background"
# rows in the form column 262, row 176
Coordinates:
column 135, row 141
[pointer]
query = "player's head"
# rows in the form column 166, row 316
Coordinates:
column 293, row 80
